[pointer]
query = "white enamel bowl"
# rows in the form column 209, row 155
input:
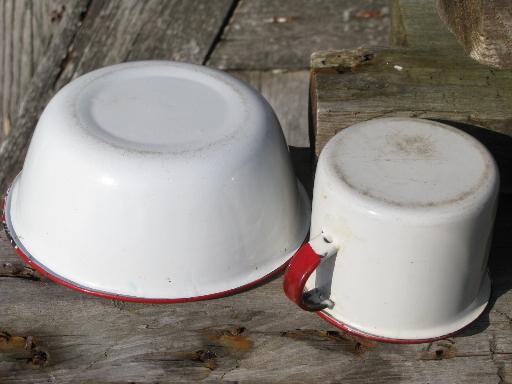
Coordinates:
column 157, row 181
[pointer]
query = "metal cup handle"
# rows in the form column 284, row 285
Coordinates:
column 300, row 268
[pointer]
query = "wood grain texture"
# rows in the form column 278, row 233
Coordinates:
column 353, row 86
column 270, row 34
column 484, row 28
column 92, row 34
column 26, row 27
column 426, row 74
column 51, row 334
column 126, row 30
column 39, row 91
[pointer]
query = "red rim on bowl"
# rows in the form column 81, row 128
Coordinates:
column 33, row 263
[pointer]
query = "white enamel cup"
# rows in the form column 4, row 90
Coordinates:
column 400, row 231
column 157, row 182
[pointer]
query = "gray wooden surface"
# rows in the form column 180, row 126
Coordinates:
column 266, row 34
column 287, row 92
column 27, row 28
column 50, row 334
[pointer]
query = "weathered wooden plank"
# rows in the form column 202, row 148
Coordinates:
column 111, row 32
column 26, row 27
column 402, row 82
column 426, row 75
column 282, row 34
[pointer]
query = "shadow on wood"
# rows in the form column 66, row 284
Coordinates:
column 302, row 159
column 500, row 263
